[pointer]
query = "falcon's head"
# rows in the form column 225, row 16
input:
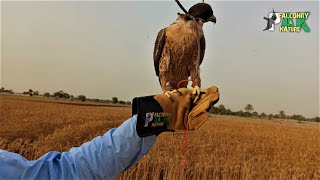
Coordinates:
column 274, row 16
column 202, row 11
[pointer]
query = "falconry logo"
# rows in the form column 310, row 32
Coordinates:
column 288, row 21
column 157, row 119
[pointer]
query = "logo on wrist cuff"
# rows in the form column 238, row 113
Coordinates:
column 157, row 119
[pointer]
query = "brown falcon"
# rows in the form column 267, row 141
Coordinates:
column 179, row 48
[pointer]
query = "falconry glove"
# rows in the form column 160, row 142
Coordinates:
column 173, row 111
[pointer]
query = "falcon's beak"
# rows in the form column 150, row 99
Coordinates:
column 212, row 19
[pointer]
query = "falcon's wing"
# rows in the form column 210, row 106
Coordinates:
column 202, row 48
column 158, row 47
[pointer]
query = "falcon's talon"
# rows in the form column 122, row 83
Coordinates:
column 196, row 91
column 167, row 94
column 180, row 93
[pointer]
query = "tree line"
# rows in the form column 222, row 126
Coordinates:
column 67, row 96
column 249, row 112
column 3, row 90
column 221, row 109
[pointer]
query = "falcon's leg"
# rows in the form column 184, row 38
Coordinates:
column 196, row 81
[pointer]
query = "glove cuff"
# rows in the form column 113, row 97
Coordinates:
column 151, row 118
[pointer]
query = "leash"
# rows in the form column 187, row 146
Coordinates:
column 185, row 80
column 184, row 145
column 184, row 149
column 185, row 142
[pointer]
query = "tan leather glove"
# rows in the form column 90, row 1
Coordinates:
column 199, row 111
column 173, row 111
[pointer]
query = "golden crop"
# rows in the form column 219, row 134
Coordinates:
column 225, row 147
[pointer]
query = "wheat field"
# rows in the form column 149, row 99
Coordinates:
column 225, row 147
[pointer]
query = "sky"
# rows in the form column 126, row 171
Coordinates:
column 104, row 49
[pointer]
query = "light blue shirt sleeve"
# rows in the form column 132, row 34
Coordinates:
column 104, row 157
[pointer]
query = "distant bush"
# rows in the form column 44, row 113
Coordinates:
column 263, row 115
column 82, row 98
column 3, row 90
column 46, row 94
column 115, row 100
column 36, row 93
column 298, row 117
column 30, row 92
column 61, row 94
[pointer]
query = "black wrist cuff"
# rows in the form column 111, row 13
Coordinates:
column 151, row 118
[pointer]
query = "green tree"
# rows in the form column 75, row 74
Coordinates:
column 61, row 94
column 228, row 112
column 240, row 113
column 115, row 100
column 263, row 115
column 66, row 95
column 36, row 93
column 248, row 108
column 82, row 98
column 218, row 110
column 282, row 114
column 58, row 94
column 255, row 113
column 30, row 92
column 270, row 116
column 46, row 94
column 298, row 117
column 222, row 109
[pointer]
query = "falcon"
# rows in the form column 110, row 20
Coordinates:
column 179, row 49
column 270, row 21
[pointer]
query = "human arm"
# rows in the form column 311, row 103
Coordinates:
column 104, row 157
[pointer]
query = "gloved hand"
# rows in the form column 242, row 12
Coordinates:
column 173, row 111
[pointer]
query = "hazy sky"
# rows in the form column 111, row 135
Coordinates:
column 105, row 49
